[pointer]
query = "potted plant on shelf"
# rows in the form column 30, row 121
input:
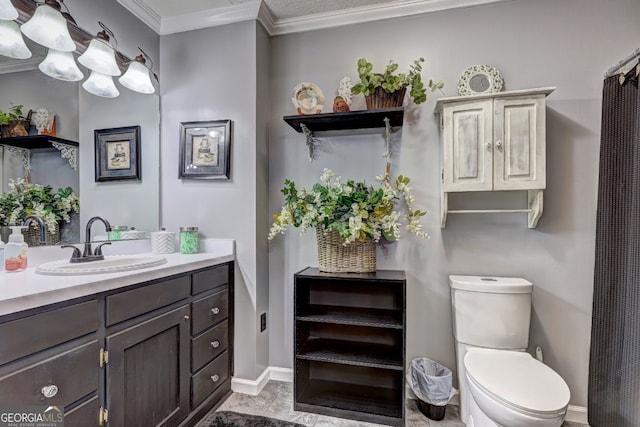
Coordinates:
column 14, row 123
column 349, row 217
column 387, row 89
column 24, row 199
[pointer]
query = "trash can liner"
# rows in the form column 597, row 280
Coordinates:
column 430, row 381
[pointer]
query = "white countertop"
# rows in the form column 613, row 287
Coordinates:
column 26, row 289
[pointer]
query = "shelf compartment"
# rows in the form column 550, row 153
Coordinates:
column 352, row 353
column 358, row 316
column 362, row 119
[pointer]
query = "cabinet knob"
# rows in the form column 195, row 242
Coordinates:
column 49, row 391
column 215, row 344
column 215, row 310
column 489, row 145
column 215, row 378
column 186, row 317
column 499, row 145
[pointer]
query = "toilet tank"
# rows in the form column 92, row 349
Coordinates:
column 492, row 312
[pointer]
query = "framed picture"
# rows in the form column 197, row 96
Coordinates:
column 205, row 150
column 117, row 153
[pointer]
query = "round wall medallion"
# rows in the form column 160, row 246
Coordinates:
column 480, row 79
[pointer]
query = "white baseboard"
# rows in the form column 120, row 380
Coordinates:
column 254, row 387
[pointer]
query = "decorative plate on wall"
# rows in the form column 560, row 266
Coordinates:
column 480, row 79
column 307, row 98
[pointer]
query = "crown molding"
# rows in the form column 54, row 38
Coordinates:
column 258, row 10
column 16, row 65
column 210, row 18
column 376, row 12
column 144, row 13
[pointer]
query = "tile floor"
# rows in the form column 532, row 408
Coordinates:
column 276, row 401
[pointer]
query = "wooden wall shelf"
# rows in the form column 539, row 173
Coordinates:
column 363, row 119
column 35, row 141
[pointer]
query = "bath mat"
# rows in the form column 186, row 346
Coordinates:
column 234, row 419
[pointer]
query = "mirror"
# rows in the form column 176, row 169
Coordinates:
column 78, row 114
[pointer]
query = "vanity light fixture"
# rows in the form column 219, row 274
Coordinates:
column 61, row 65
column 136, row 78
column 101, row 85
column 7, row 11
column 48, row 27
column 11, row 41
column 100, row 56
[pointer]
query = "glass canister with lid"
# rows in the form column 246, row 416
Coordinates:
column 116, row 232
column 188, row 240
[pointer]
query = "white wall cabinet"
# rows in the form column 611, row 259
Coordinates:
column 494, row 142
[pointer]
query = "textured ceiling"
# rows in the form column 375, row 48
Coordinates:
column 281, row 9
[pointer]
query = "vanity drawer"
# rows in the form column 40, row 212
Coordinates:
column 209, row 378
column 209, row 345
column 129, row 304
column 74, row 373
column 209, row 279
column 208, row 311
column 84, row 415
column 34, row 333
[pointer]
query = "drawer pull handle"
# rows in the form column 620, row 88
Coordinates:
column 215, row 344
column 186, row 317
column 215, row 310
column 215, row 378
column 49, row 391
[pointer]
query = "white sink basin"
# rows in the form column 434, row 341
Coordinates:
column 110, row 264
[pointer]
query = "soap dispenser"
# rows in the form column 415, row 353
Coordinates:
column 15, row 251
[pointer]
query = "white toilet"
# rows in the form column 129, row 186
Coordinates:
column 500, row 384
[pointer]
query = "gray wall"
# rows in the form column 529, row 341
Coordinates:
column 568, row 44
column 211, row 74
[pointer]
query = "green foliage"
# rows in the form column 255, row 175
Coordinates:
column 14, row 113
column 391, row 80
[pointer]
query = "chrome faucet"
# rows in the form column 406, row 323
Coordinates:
column 27, row 222
column 87, row 235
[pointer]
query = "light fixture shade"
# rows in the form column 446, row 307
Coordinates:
column 61, row 66
column 137, row 78
column 101, row 85
column 7, row 10
column 48, row 28
column 11, row 41
column 100, row 57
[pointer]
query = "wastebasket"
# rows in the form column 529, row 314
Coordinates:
column 432, row 384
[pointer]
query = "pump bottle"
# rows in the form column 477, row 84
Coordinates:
column 15, row 251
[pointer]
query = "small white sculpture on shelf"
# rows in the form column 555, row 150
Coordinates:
column 43, row 120
column 345, row 89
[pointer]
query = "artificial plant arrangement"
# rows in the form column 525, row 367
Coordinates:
column 13, row 122
column 392, row 81
column 355, row 210
column 24, row 199
column 14, row 113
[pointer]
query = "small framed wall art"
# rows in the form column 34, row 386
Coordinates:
column 205, row 150
column 117, row 153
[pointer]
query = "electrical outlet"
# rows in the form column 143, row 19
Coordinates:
column 263, row 322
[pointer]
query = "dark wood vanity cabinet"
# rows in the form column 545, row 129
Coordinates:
column 154, row 354
column 350, row 345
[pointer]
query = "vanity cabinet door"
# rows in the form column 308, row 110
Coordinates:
column 148, row 372
column 468, row 146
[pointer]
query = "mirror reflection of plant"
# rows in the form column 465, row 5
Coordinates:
column 15, row 113
column 24, row 199
column 355, row 210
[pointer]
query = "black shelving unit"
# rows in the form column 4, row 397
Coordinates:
column 350, row 345
column 364, row 119
column 35, row 141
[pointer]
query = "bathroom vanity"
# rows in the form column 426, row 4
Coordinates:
column 149, row 347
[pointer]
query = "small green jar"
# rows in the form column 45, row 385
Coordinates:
column 188, row 240
column 116, row 232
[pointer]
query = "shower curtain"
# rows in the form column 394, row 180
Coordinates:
column 614, row 367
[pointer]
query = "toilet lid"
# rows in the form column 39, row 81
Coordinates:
column 517, row 379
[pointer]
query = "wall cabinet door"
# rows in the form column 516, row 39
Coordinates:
column 519, row 147
column 148, row 372
column 468, row 142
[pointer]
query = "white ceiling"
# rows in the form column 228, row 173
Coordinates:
column 279, row 16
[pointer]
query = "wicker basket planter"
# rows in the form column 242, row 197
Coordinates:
column 381, row 99
column 335, row 257
column 32, row 235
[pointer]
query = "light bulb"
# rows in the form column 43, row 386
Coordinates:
column 101, row 85
column 11, row 41
column 48, row 28
column 61, row 66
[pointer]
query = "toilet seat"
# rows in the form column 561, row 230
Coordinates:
column 518, row 381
